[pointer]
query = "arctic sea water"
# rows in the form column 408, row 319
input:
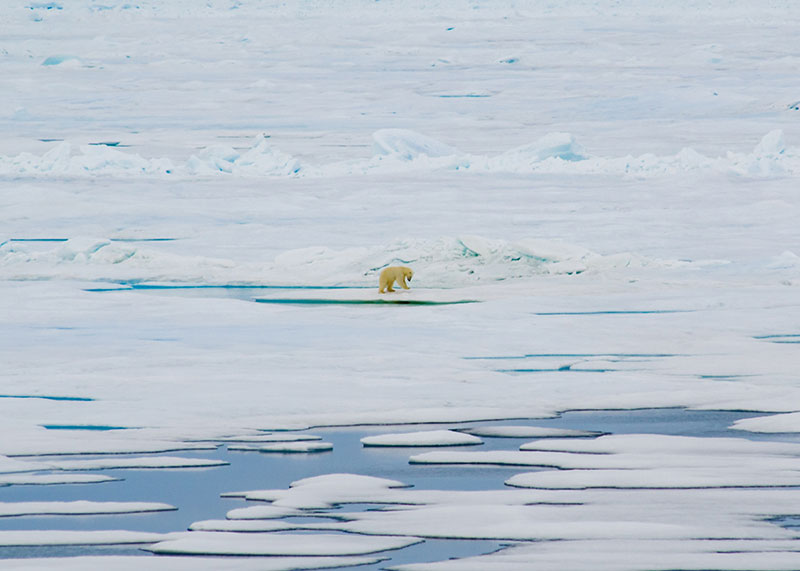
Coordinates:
column 196, row 492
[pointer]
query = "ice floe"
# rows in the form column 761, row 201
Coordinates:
column 270, row 438
column 654, row 478
column 509, row 431
column 116, row 463
column 52, row 479
column 247, row 525
column 177, row 563
column 616, row 515
column 789, row 422
column 34, row 443
column 12, row 465
column 79, row 507
column 220, row 543
column 66, row 537
column 322, row 492
column 298, row 447
column 260, row 512
column 640, row 452
column 422, row 438
column 628, row 555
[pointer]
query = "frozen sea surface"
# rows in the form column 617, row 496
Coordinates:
column 598, row 199
column 197, row 493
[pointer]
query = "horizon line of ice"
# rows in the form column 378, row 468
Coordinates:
column 398, row 150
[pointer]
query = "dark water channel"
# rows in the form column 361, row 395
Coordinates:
column 196, row 492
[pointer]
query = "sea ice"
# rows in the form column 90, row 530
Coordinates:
column 61, row 60
column 117, row 463
column 291, row 447
column 322, row 492
column 654, row 478
column 37, row 443
column 50, row 479
column 399, row 150
column 319, row 545
column 568, row 460
column 660, row 443
column 508, row 431
column 561, row 146
column 260, row 512
column 271, row 438
column 605, row 180
column 80, row 507
column 59, row 537
column 422, row 438
column 177, row 563
column 408, row 145
column 632, row 555
column 247, row 525
column 777, row 423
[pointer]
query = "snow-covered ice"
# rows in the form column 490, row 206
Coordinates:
column 320, row 492
column 301, row 447
column 720, row 457
column 612, row 186
column 221, row 543
column 177, row 563
column 269, row 438
column 51, row 479
column 261, row 512
column 656, row 555
column 135, row 463
column 9, row 509
column 59, row 537
column 422, row 438
column 506, row 431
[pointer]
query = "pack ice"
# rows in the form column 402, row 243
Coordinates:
column 612, row 185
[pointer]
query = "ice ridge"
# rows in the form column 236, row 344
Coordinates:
column 444, row 261
column 402, row 150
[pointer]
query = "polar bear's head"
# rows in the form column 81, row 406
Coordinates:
column 408, row 273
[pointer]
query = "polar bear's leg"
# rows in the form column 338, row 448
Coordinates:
column 389, row 285
column 402, row 282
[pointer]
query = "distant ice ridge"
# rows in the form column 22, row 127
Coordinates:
column 444, row 262
column 467, row 259
column 399, row 150
column 261, row 159
column 560, row 153
column 93, row 160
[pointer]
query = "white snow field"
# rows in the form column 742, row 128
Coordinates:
column 600, row 203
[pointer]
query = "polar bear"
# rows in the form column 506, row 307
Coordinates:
column 393, row 274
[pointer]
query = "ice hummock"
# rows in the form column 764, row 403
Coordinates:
column 448, row 261
column 408, row 145
column 404, row 150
